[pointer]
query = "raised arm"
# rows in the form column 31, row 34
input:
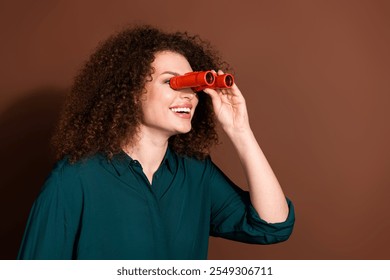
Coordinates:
column 265, row 191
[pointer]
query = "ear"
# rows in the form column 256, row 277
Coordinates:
column 141, row 97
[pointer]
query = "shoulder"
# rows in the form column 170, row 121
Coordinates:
column 193, row 162
column 191, row 165
column 64, row 168
column 67, row 175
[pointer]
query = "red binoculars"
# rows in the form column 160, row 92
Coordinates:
column 200, row 80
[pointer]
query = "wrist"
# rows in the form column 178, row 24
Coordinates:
column 240, row 136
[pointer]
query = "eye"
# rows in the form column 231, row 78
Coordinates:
column 167, row 81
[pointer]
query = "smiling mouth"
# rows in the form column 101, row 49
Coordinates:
column 181, row 110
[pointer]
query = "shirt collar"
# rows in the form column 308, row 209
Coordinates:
column 170, row 159
column 121, row 161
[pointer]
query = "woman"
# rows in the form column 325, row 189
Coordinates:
column 134, row 179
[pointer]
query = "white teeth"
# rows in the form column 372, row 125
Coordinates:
column 181, row 110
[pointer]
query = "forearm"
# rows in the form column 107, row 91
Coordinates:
column 266, row 194
column 265, row 191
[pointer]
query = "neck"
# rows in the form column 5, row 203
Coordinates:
column 149, row 151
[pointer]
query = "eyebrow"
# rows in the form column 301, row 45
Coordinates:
column 170, row 72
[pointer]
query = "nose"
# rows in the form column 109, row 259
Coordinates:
column 187, row 93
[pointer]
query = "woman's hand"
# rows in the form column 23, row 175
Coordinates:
column 230, row 108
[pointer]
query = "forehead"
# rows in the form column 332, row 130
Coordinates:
column 171, row 61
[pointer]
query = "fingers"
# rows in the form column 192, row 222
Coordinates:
column 212, row 92
column 220, row 92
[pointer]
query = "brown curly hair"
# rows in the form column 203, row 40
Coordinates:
column 102, row 112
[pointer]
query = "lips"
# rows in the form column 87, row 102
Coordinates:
column 183, row 110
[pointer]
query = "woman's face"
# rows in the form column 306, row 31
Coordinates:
column 167, row 111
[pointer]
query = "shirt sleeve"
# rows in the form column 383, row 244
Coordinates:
column 51, row 228
column 233, row 216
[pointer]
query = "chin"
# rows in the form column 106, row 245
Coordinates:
column 183, row 130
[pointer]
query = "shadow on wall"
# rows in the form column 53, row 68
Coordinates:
column 26, row 159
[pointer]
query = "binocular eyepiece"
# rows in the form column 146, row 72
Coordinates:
column 201, row 80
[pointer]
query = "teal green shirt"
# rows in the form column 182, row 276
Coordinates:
column 100, row 209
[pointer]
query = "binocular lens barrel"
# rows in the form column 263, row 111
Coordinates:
column 224, row 81
column 229, row 81
column 200, row 80
column 192, row 79
column 210, row 77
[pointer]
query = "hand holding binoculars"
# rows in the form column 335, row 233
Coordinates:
column 201, row 80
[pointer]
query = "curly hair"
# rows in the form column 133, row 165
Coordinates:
column 102, row 112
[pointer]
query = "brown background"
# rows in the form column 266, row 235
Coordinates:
column 315, row 75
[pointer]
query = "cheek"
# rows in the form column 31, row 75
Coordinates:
column 155, row 109
column 161, row 97
column 154, row 100
column 196, row 102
